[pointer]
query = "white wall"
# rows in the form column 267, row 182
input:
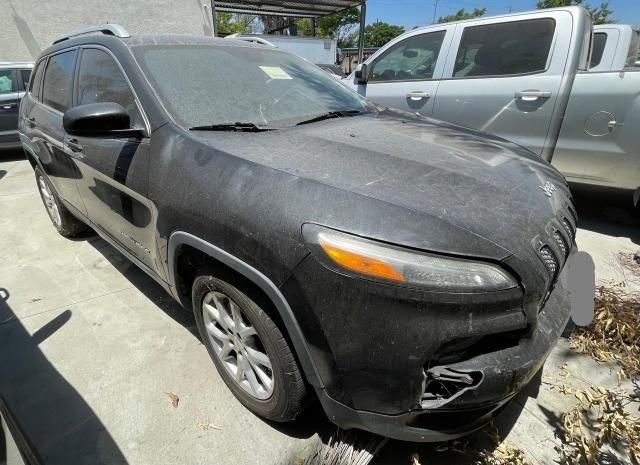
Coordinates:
column 29, row 26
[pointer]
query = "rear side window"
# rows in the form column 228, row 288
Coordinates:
column 58, row 81
column 518, row 47
column 599, row 41
column 7, row 85
column 100, row 80
column 34, row 84
column 411, row 59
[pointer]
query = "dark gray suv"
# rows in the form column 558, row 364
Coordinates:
column 404, row 271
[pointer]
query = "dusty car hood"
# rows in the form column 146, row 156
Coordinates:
column 470, row 180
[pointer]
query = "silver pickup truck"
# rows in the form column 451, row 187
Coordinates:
column 615, row 47
column 524, row 77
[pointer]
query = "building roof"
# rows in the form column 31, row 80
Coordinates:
column 297, row 8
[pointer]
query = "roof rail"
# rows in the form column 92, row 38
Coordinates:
column 109, row 29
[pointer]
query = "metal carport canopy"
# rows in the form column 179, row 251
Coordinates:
column 294, row 8
column 299, row 8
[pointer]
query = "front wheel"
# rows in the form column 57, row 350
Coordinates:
column 65, row 223
column 250, row 352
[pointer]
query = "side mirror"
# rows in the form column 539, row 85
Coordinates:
column 362, row 73
column 99, row 120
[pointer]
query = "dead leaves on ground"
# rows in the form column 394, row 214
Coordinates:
column 174, row 399
column 598, row 422
column 614, row 334
column 498, row 453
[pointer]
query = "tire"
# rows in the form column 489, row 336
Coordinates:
column 214, row 304
column 65, row 223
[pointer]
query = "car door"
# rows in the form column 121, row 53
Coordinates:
column 598, row 142
column 45, row 131
column 10, row 95
column 405, row 74
column 114, row 170
column 504, row 76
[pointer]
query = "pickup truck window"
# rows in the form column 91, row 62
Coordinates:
column 599, row 41
column 6, row 81
column 100, row 80
column 517, row 47
column 411, row 59
column 58, row 80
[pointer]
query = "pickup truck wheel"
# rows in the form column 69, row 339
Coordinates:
column 64, row 222
column 250, row 353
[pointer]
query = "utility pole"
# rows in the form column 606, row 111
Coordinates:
column 510, row 8
column 435, row 9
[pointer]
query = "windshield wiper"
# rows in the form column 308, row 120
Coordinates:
column 239, row 127
column 331, row 114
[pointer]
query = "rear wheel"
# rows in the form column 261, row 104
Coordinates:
column 248, row 349
column 64, row 222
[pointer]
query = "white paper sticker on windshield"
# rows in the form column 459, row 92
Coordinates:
column 275, row 72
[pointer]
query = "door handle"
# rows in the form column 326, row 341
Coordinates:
column 418, row 95
column 74, row 146
column 8, row 106
column 31, row 122
column 530, row 95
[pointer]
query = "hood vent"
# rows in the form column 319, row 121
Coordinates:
column 566, row 224
column 550, row 261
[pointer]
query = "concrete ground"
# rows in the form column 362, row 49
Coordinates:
column 91, row 349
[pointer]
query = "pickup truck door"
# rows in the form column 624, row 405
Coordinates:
column 504, row 76
column 598, row 141
column 404, row 74
column 115, row 171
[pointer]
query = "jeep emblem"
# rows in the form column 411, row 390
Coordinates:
column 548, row 188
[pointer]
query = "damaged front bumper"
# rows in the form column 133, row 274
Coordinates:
column 485, row 383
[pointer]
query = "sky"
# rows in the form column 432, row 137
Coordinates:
column 409, row 13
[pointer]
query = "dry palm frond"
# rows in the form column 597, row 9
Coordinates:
column 614, row 334
column 345, row 448
column 600, row 420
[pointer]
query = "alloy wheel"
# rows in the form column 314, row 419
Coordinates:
column 237, row 345
column 49, row 202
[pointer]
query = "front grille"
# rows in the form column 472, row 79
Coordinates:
column 562, row 245
column 549, row 259
column 572, row 210
column 569, row 228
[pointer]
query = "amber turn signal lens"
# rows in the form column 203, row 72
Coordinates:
column 361, row 263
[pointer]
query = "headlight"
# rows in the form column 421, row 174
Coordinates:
column 371, row 259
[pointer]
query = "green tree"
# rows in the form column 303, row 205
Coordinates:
column 377, row 34
column 229, row 23
column 599, row 15
column 338, row 25
column 462, row 14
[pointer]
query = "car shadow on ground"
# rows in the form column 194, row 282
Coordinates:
column 48, row 419
column 609, row 214
column 12, row 155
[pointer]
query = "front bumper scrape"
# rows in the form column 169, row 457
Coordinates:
column 504, row 373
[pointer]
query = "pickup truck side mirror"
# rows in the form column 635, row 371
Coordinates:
column 99, row 120
column 362, row 73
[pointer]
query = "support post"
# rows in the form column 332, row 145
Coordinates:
column 363, row 20
column 313, row 27
column 214, row 32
